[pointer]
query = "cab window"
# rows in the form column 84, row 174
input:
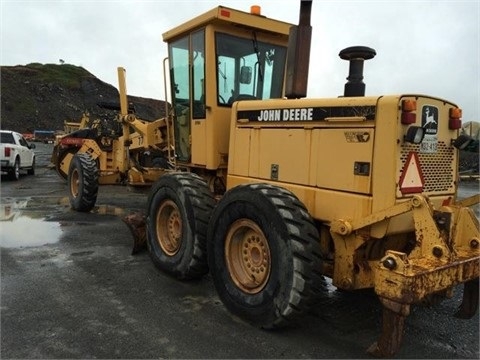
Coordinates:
column 248, row 69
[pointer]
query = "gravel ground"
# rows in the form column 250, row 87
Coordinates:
column 70, row 288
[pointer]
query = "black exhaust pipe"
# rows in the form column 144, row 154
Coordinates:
column 356, row 55
column 299, row 42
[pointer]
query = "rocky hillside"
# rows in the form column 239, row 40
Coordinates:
column 43, row 96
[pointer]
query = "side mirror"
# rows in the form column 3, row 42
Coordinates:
column 462, row 142
column 245, row 75
column 31, row 146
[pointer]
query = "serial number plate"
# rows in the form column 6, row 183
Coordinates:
column 429, row 144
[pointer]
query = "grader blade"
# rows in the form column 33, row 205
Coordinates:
column 136, row 222
column 469, row 305
column 393, row 322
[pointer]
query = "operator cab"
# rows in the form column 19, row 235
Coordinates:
column 215, row 59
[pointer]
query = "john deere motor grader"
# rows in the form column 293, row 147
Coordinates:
column 126, row 150
column 271, row 191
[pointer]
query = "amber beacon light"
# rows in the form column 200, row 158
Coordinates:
column 255, row 10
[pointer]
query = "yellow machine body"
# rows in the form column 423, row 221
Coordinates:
column 347, row 160
column 384, row 202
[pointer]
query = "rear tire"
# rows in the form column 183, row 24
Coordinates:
column 14, row 173
column 83, row 182
column 264, row 255
column 179, row 208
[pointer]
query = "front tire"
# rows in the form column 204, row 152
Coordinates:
column 83, row 182
column 264, row 255
column 179, row 208
column 31, row 171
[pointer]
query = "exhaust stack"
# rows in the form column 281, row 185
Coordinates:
column 356, row 55
column 299, row 42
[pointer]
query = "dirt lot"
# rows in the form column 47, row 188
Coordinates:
column 70, row 288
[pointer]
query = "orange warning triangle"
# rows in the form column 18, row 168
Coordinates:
column 411, row 179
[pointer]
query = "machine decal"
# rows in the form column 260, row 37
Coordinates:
column 430, row 124
column 411, row 179
column 430, row 119
column 357, row 136
column 286, row 115
column 307, row 114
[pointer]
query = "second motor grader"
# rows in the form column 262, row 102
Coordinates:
column 125, row 150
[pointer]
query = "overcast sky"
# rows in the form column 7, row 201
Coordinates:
column 426, row 47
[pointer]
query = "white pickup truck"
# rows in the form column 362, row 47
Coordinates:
column 16, row 154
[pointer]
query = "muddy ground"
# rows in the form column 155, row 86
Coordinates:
column 70, row 288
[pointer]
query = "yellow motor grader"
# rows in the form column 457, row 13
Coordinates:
column 127, row 150
column 272, row 191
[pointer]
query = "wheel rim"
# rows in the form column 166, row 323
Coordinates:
column 169, row 227
column 74, row 183
column 17, row 170
column 247, row 255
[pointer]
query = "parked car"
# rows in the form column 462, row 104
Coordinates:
column 16, row 154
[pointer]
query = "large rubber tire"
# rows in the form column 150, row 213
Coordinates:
column 179, row 207
column 14, row 173
column 83, row 182
column 264, row 255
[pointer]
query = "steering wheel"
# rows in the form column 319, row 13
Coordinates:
column 222, row 100
column 241, row 97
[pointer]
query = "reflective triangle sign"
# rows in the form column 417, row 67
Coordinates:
column 411, row 179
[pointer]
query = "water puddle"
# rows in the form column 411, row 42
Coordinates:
column 19, row 228
column 23, row 222
column 98, row 209
column 108, row 210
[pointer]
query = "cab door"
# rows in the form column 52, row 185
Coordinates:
column 187, row 75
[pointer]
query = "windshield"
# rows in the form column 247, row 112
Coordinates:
column 248, row 69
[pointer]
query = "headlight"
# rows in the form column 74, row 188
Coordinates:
column 415, row 134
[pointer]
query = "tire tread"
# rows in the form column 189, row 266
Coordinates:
column 305, row 251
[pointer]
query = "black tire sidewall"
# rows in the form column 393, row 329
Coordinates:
column 15, row 172
column 85, row 200
column 261, row 308
column 169, row 188
column 76, row 201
